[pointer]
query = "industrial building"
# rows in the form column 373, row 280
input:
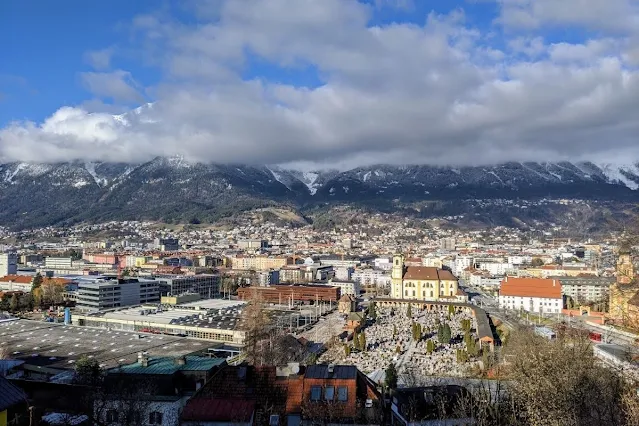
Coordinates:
column 284, row 294
column 220, row 322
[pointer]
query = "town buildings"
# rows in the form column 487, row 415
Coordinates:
column 587, row 288
column 538, row 295
column 285, row 294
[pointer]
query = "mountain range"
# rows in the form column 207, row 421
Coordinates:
column 173, row 189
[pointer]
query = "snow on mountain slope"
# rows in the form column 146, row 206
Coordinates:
column 622, row 173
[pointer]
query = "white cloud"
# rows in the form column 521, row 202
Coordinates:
column 100, row 59
column 117, row 85
column 440, row 93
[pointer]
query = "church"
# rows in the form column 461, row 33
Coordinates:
column 623, row 306
column 424, row 283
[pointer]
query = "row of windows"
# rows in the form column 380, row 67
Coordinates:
column 441, row 293
column 329, row 393
column 155, row 417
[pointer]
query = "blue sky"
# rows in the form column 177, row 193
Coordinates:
column 321, row 80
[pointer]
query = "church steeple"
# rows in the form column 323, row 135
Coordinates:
column 625, row 268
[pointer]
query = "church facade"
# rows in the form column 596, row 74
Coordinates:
column 424, row 283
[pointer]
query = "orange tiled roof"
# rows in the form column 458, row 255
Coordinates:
column 531, row 287
column 19, row 279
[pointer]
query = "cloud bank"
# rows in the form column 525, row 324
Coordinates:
column 347, row 92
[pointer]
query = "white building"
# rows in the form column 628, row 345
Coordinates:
column 347, row 287
column 372, row 278
column 8, row 264
column 65, row 263
column 461, row 263
column 539, row 295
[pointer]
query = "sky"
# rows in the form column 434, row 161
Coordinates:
column 320, row 83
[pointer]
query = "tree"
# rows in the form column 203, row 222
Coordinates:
column 88, row 371
column 13, row 304
column 446, row 334
column 430, row 346
column 440, row 333
column 37, row 281
column 391, row 377
column 537, row 262
column 409, row 311
column 362, row 341
column 394, row 330
column 257, row 326
column 356, row 340
column 451, row 310
column 372, row 311
column 347, row 350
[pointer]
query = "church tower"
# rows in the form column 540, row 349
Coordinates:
column 397, row 277
column 624, row 289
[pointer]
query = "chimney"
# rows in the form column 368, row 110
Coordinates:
column 181, row 360
column 143, row 359
column 331, row 368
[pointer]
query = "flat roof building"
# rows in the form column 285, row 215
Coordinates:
column 101, row 294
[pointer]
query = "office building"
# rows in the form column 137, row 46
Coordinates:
column 167, row 244
column 101, row 294
column 584, row 289
column 206, row 285
column 8, row 264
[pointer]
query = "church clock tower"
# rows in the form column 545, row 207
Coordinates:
column 397, row 277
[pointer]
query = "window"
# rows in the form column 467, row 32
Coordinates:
column 274, row 420
column 111, row 416
column 316, row 393
column 155, row 418
column 329, row 393
column 342, row 394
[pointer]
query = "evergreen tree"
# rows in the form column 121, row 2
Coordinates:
column 430, row 346
column 355, row 340
column 394, row 330
column 409, row 311
column 446, row 334
column 451, row 310
column 37, row 281
column 362, row 341
column 87, row 371
column 347, row 350
column 440, row 333
column 391, row 377
column 372, row 312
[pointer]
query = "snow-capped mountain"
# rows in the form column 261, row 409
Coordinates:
column 175, row 189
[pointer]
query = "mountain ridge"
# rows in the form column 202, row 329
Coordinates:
column 40, row 194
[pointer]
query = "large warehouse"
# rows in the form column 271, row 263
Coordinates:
column 284, row 294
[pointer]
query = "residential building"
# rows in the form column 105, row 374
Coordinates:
column 538, row 295
column 252, row 244
column 101, row 294
column 8, row 264
column 64, row 263
column 286, row 395
column 372, row 278
column 167, row 244
column 347, row 287
column 587, row 288
column 206, row 285
column 447, row 244
column 167, row 384
column 422, row 282
column 16, row 283
column 432, row 405
column 14, row 407
column 258, row 263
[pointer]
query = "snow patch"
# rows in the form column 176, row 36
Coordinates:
column 80, row 183
column 613, row 173
column 367, row 176
column 310, row 180
column 90, row 167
